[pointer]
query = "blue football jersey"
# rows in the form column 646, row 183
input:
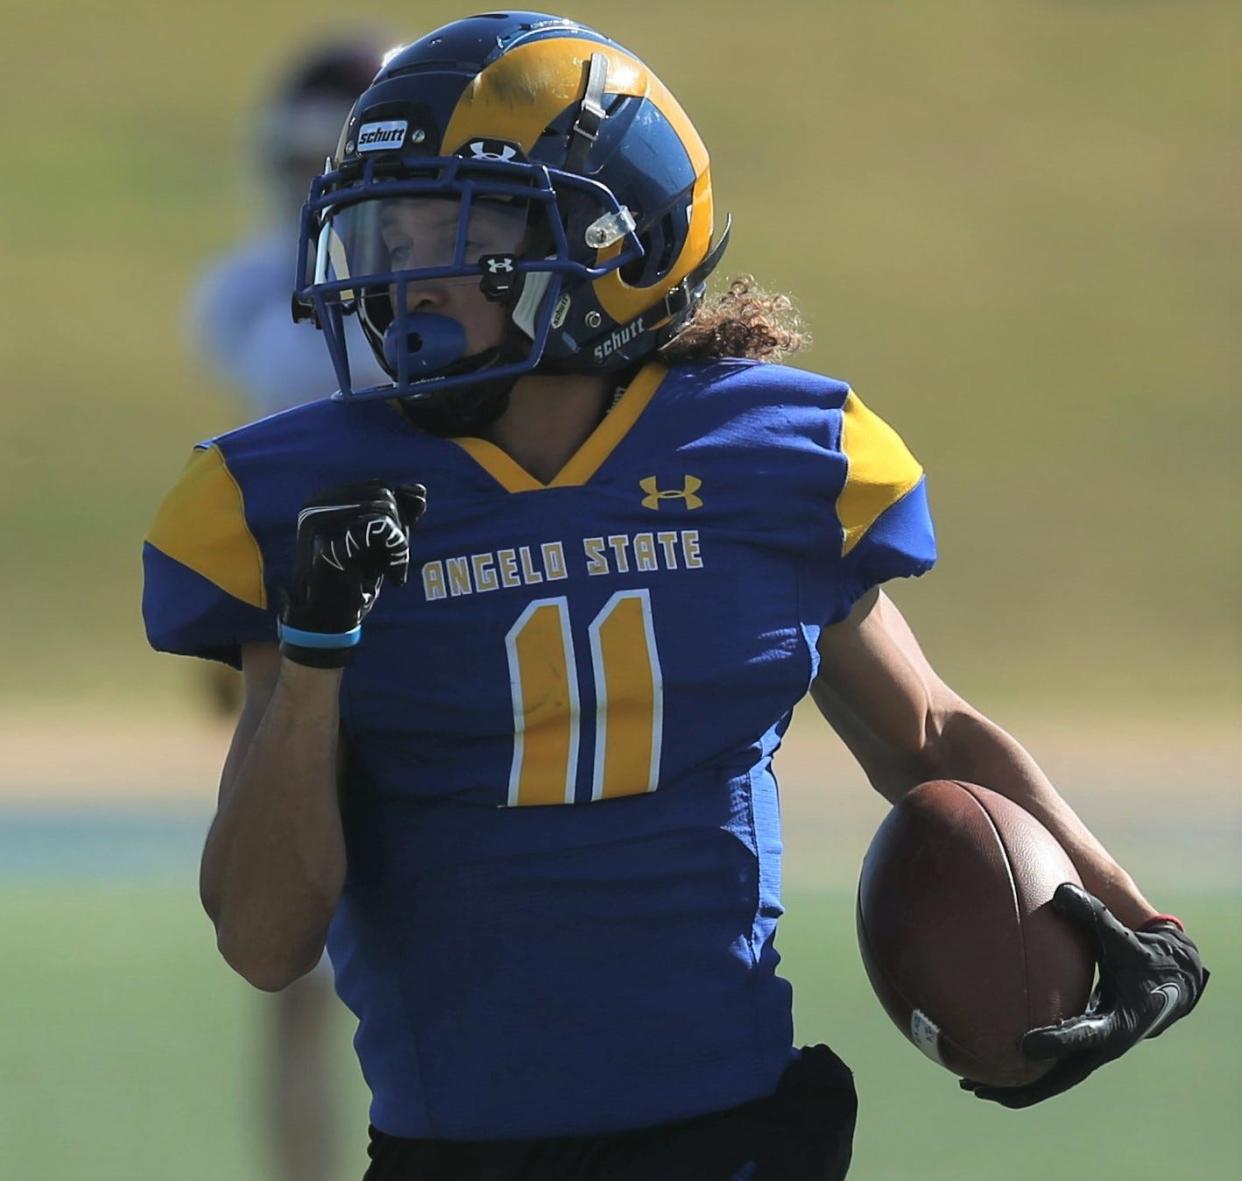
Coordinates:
column 561, row 819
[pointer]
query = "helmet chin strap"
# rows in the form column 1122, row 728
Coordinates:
column 437, row 344
column 460, row 412
column 468, row 410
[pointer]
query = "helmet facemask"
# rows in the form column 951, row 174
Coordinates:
column 400, row 247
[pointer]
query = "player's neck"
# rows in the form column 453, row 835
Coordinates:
column 548, row 419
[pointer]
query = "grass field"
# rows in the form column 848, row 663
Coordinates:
column 131, row 1053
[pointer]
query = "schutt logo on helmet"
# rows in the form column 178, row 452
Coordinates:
column 374, row 137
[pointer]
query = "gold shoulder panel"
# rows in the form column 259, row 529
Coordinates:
column 881, row 470
column 202, row 525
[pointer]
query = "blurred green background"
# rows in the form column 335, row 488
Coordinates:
column 1012, row 226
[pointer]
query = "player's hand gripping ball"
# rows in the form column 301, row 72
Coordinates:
column 958, row 933
column 349, row 540
column 1149, row 978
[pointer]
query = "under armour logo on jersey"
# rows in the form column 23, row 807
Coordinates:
column 655, row 494
column 481, row 149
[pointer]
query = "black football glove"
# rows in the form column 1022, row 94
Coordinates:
column 1149, row 978
column 349, row 540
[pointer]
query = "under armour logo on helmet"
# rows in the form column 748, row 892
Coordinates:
column 491, row 150
column 498, row 264
column 655, row 494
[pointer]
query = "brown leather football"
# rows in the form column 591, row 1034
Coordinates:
column 958, row 934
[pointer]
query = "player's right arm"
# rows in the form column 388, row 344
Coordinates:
column 274, row 864
column 216, row 554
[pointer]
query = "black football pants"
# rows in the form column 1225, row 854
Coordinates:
column 804, row 1131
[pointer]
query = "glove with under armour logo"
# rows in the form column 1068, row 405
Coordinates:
column 1149, row 978
column 349, row 540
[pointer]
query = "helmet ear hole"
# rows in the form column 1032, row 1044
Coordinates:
column 632, row 273
column 657, row 243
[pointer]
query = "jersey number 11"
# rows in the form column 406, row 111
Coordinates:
column 547, row 706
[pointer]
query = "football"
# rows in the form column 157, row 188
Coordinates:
column 958, row 934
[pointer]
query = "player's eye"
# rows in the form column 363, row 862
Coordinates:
column 399, row 249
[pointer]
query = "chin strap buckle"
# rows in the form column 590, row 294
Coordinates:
column 303, row 312
column 683, row 295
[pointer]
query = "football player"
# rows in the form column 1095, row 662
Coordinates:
column 522, row 626
column 242, row 331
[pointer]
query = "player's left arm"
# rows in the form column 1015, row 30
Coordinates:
column 906, row 726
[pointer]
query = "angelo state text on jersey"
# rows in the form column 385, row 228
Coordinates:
column 525, row 565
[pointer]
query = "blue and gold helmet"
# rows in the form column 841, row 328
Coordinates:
column 571, row 186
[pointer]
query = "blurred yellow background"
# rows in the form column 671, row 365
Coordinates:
column 1012, row 226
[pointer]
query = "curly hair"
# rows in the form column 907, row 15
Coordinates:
column 742, row 321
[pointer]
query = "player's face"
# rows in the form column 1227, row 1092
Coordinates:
column 423, row 233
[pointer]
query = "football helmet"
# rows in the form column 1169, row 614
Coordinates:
column 530, row 156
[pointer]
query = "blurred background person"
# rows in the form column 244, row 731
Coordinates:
column 240, row 321
column 243, row 332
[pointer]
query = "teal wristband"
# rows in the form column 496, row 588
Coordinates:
column 295, row 635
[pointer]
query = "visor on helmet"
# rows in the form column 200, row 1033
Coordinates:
column 426, row 238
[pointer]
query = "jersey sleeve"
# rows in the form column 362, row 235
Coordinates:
column 882, row 527
column 204, row 592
